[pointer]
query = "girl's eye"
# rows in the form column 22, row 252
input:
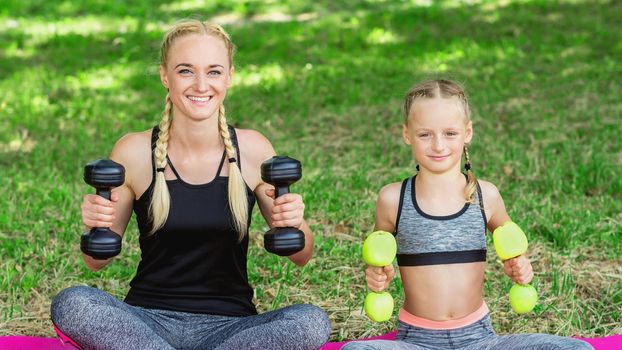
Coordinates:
column 424, row 135
column 452, row 133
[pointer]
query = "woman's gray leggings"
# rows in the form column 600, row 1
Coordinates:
column 97, row 320
column 476, row 336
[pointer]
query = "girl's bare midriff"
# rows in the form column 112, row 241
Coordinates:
column 443, row 292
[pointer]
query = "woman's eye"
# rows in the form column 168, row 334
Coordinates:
column 214, row 72
column 184, row 71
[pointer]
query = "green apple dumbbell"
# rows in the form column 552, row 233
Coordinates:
column 510, row 241
column 379, row 250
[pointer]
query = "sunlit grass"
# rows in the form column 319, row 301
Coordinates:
column 265, row 75
column 37, row 31
column 324, row 81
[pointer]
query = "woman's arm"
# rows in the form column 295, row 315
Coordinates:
column 97, row 211
column 286, row 210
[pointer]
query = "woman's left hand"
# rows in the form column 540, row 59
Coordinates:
column 519, row 269
column 288, row 210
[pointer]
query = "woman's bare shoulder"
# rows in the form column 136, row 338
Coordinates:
column 135, row 146
column 254, row 146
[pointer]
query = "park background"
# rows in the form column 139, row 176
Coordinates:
column 324, row 81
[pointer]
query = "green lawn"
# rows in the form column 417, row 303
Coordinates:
column 324, row 81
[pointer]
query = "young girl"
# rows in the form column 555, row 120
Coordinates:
column 439, row 217
column 192, row 182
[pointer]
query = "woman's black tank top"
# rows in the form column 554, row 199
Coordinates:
column 194, row 263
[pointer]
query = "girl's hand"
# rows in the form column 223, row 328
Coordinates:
column 519, row 269
column 288, row 210
column 379, row 278
column 98, row 211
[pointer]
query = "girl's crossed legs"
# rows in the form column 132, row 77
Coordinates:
column 476, row 336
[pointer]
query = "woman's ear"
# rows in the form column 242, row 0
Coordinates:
column 230, row 79
column 469, row 132
column 163, row 77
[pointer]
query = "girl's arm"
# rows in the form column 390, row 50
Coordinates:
column 518, row 268
column 379, row 278
column 386, row 207
column 494, row 206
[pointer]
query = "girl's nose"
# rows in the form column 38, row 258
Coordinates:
column 438, row 144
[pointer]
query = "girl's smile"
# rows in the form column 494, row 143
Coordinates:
column 438, row 158
column 437, row 130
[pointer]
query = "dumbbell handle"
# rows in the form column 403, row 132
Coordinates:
column 105, row 192
column 510, row 241
column 281, row 172
column 103, row 174
column 280, row 190
column 379, row 249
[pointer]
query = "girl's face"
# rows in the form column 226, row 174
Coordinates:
column 197, row 75
column 437, row 130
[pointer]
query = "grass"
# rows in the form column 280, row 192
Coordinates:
column 324, row 81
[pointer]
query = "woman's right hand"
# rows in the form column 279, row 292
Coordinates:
column 378, row 278
column 98, row 211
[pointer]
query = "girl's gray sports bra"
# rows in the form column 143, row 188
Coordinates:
column 423, row 239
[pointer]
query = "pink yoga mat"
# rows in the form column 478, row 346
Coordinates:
column 19, row 342
column 613, row 342
column 338, row 345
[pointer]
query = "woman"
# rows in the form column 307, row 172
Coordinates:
column 192, row 182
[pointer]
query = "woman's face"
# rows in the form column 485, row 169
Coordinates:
column 437, row 130
column 197, row 75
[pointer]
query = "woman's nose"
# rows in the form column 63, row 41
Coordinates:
column 201, row 82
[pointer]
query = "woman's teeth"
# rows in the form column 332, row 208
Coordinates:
column 199, row 99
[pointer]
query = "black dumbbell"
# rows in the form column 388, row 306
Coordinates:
column 101, row 242
column 282, row 171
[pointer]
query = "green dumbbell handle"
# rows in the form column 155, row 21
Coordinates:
column 510, row 241
column 379, row 249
